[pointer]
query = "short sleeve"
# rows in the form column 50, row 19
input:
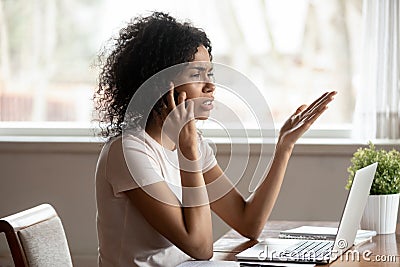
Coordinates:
column 208, row 157
column 141, row 164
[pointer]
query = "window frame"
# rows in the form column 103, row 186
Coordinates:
column 60, row 129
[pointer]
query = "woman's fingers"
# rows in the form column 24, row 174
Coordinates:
column 179, row 107
column 305, row 123
column 190, row 108
column 313, row 118
column 172, row 103
column 317, row 101
column 181, row 100
column 318, row 105
column 170, row 98
column 300, row 109
column 305, row 116
column 320, row 100
column 323, row 100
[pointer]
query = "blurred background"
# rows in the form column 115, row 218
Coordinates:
column 292, row 50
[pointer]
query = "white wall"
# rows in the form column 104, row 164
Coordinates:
column 62, row 174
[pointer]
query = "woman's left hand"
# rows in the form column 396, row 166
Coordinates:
column 302, row 119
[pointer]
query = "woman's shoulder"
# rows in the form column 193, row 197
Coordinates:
column 140, row 138
column 112, row 145
column 134, row 136
column 117, row 143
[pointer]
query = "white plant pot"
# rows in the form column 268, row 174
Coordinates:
column 380, row 213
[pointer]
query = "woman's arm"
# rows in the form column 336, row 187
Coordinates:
column 187, row 225
column 248, row 217
column 188, row 228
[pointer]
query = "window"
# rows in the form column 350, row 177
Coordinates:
column 293, row 50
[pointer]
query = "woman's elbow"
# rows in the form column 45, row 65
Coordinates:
column 205, row 255
column 251, row 232
column 200, row 248
column 202, row 253
column 251, row 236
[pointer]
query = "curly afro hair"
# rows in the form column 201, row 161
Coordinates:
column 146, row 46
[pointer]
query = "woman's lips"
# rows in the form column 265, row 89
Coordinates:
column 207, row 105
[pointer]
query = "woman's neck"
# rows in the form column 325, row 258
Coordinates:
column 154, row 129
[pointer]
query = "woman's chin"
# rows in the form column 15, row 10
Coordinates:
column 202, row 115
column 202, row 118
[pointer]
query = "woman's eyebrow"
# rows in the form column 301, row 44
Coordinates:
column 201, row 68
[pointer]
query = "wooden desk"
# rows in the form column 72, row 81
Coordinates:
column 383, row 247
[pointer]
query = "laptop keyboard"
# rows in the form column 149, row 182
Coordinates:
column 309, row 249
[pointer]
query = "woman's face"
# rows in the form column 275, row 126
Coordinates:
column 197, row 82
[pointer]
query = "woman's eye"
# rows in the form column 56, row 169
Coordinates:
column 196, row 76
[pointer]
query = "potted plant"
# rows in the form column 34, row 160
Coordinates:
column 380, row 213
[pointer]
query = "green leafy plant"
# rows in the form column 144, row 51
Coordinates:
column 387, row 176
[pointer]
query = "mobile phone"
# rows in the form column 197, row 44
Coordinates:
column 176, row 94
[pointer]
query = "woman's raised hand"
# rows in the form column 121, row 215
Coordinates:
column 302, row 119
column 179, row 124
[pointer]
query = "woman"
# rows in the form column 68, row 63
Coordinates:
column 142, row 220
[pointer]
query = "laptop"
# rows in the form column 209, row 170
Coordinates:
column 319, row 251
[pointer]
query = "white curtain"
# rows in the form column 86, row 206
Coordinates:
column 377, row 113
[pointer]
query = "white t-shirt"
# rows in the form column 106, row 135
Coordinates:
column 125, row 237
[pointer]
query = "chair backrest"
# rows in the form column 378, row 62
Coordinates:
column 36, row 237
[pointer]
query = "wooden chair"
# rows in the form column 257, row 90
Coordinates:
column 36, row 237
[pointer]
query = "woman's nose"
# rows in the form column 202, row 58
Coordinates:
column 209, row 88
